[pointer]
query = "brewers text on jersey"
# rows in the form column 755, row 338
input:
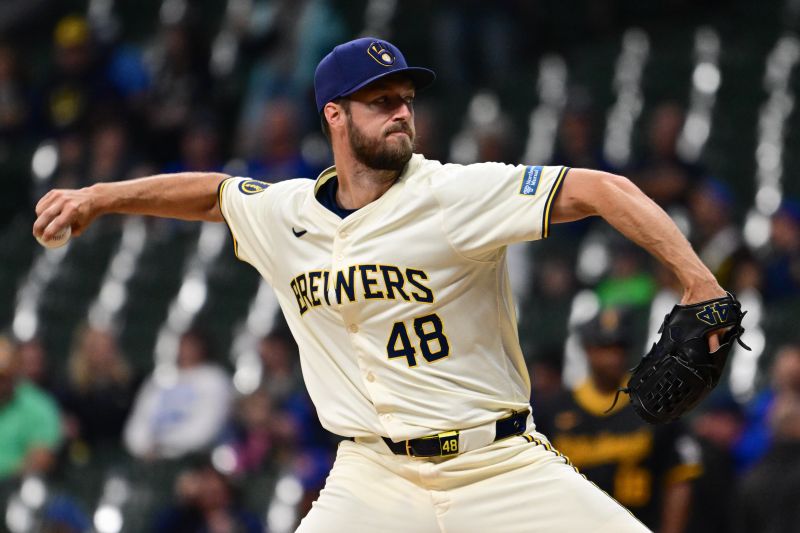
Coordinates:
column 373, row 282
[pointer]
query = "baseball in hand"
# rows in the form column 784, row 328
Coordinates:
column 59, row 239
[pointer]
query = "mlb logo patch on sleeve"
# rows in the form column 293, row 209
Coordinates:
column 530, row 180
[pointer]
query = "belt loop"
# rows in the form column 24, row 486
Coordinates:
column 408, row 448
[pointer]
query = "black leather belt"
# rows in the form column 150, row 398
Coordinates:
column 446, row 443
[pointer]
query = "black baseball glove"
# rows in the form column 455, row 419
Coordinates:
column 680, row 370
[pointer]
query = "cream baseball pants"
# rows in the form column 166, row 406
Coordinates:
column 516, row 485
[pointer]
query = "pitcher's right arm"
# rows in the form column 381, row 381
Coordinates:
column 184, row 195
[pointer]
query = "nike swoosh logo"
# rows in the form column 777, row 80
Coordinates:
column 300, row 233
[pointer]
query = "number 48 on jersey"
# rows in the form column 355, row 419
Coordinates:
column 430, row 338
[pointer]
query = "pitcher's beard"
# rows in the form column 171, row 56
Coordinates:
column 380, row 154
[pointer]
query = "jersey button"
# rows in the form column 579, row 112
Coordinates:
column 353, row 328
column 370, row 377
column 343, row 234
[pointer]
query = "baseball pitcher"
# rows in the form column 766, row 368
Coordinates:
column 391, row 271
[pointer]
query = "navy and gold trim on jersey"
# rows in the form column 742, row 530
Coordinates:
column 554, row 190
column 220, row 190
column 323, row 177
column 549, row 447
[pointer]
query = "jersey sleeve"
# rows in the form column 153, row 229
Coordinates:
column 244, row 204
column 486, row 206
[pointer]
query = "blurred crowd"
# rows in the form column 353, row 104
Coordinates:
column 104, row 108
column 192, row 423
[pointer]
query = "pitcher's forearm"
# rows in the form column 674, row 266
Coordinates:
column 640, row 219
column 187, row 196
column 623, row 205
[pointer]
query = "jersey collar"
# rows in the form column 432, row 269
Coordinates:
column 326, row 175
column 330, row 172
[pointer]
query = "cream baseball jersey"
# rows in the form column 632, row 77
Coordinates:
column 402, row 311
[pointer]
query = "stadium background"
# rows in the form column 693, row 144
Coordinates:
column 692, row 100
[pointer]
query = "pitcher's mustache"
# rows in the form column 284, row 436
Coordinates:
column 401, row 127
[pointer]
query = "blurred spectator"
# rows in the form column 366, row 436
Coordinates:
column 206, row 503
column 784, row 378
column 487, row 133
column 495, row 140
column 312, row 448
column 14, row 100
column 199, row 146
column 288, row 420
column 545, row 371
column 178, row 66
column 15, row 109
column 129, row 76
column 262, row 433
column 184, row 412
column 662, row 173
column 644, row 467
column 714, row 235
column 30, row 427
column 782, row 268
column 746, row 273
column 77, row 88
column 769, row 495
column 100, row 389
column 73, row 153
column 717, row 427
column 33, row 364
column 429, row 140
column 578, row 145
column 63, row 515
column 554, row 286
column 275, row 146
column 111, row 156
column 18, row 16
column 279, row 367
column 629, row 283
column 252, row 438
column 463, row 61
column 290, row 37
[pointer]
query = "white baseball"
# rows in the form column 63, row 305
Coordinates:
column 59, row 239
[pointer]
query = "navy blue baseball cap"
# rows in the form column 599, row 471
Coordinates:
column 354, row 64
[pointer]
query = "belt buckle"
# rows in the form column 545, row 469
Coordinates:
column 448, row 443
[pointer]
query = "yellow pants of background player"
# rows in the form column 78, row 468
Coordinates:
column 507, row 487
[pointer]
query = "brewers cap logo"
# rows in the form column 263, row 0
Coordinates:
column 253, row 186
column 380, row 53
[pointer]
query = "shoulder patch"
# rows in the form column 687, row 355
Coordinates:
column 530, row 180
column 252, row 186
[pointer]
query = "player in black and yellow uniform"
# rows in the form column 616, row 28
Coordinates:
column 646, row 468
